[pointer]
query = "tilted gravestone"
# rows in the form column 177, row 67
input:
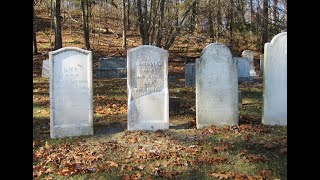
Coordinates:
column 71, row 105
column 190, row 75
column 112, row 68
column 243, row 69
column 45, row 69
column 261, row 64
column 248, row 54
column 148, row 94
column 216, row 87
column 275, row 81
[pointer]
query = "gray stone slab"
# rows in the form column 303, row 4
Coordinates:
column 190, row 75
column 71, row 104
column 216, row 87
column 111, row 67
column 148, row 94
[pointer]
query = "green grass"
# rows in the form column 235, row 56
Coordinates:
column 182, row 152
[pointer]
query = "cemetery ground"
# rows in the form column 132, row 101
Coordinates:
column 248, row 151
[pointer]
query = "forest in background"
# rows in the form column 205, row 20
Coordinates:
column 110, row 27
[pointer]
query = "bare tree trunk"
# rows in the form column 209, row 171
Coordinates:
column 160, row 23
column 219, row 20
column 140, row 21
column 128, row 16
column 251, row 12
column 57, row 20
column 145, row 22
column 124, row 37
column 211, row 32
column 85, row 8
column 275, row 15
column 35, row 48
column 193, row 17
column 154, row 20
column 285, row 9
column 265, row 25
column 178, row 28
column 231, row 25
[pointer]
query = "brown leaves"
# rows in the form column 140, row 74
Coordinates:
column 254, row 158
column 222, row 175
column 112, row 164
column 266, row 173
column 212, row 160
column 283, row 150
column 133, row 140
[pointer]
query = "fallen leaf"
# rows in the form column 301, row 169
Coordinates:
column 269, row 146
column 221, row 175
column 47, row 146
column 283, row 150
column 112, row 163
column 267, row 173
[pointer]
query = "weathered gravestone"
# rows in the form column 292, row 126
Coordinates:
column 45, row 69
column 148, row 94
column 190, row 75
column 248, row 54
column 261, row 64
column 275, row 81
column 216, row 87
column 243, row 69
column 71, row 105
column 112, row 68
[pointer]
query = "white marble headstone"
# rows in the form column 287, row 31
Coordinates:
column 148, row 94
column 216, row 87
column 71, row 105
column 275, row 81
column 45, row 73
column 248, row 54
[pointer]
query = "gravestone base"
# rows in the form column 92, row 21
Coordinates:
column 68, row 131
column 149, row 126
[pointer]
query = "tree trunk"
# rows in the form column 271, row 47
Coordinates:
column 275, row 15
column 145, row 22
column 140, row 22
column 193, row 17
column 219, row 20
column 128, row 16
column 177, row 29
column 160, row 23
column 265, row 26
column 84, row 8
column 124, row 37
column 35, row 48
column 231, row 25
column 211, row 32
column 57, row 21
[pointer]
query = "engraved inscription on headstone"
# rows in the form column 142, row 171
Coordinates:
column 216, row 87
column 148, row 94
column 71, row 105
column 275, row 81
